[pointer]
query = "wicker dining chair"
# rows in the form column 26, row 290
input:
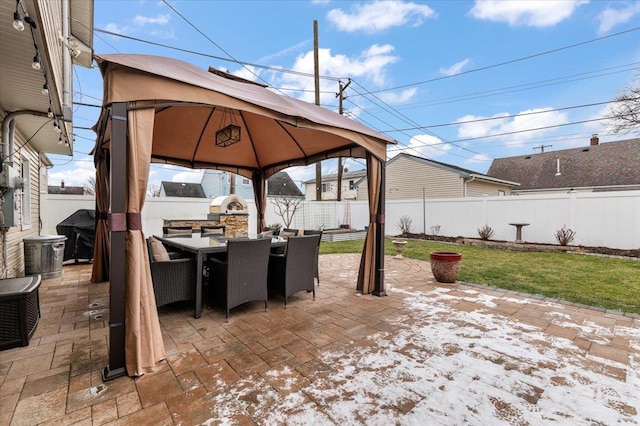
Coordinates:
column 316, row 273
column 293, row 271
column 242, row 276
column 173, row 274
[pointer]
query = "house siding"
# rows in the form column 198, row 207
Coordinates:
column 478, row 188
column 406, row 179
column 14, row 265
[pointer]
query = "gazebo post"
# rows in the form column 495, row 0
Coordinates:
column 378, row 288
column 117, row 264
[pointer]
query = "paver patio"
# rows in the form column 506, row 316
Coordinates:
column 428, row 353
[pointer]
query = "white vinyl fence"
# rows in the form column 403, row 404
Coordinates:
column 610, row 219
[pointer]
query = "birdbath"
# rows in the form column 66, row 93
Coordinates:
column 399, row 246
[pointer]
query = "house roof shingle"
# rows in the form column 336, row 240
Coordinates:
column 607, row 165
column 281, row 184
column 183, row 189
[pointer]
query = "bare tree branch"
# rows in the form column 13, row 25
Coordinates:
column 286, row 208
column 625, row 111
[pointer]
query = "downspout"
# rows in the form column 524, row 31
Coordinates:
column 464, row 191
column 67, row 110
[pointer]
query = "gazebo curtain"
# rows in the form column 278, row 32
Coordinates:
column 100, row 267
column 144, row 347
column 260, row 197
column 367, row 275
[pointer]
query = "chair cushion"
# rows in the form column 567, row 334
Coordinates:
column 285, row 234
column 158, row 252
column 175, row 231
column 266, row 233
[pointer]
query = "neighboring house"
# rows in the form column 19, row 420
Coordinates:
column 612, row 166
column 181, row 189
column 66, row 190
column 330, row 186
column 36, row 95
column 216, row 183
column 411, row 177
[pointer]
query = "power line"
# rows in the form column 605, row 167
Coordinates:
column 524, row 58
column 220, row 58
column 502, row 117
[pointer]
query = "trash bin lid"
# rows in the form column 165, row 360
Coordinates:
column 12, row 287
column 45, row 239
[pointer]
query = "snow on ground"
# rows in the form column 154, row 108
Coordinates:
column 447, row 366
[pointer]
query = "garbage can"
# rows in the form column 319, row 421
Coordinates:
column 44, row 255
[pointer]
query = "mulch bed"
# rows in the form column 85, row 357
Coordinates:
column 582, row 249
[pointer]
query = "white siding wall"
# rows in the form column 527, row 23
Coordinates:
column 610, row 219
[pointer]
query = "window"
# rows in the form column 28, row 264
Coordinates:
column 326, row 187
column 246, row 181
column 26, row 194
column 352, row 185
column 501, row 193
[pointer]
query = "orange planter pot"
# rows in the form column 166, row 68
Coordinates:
column 445, row 266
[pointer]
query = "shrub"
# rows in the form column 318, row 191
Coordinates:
column 405, row 224
column 486, row 232
column 565, row 235
column 435, row 229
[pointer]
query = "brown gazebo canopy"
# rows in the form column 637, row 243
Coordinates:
column 158, row 109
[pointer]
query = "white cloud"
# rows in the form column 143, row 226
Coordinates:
column 455, row 68
column 398, row 98
column 611, row 17
column 159, row 19
column 371, row 65
column 379, row 15
column 515, row 128
column 427, row 146
column 75, row 177
column 530, row 13
column 283, row 52
column 478, row 158
column 115, row 28
column 192, row 176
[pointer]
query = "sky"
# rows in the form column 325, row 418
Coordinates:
column 459, row 82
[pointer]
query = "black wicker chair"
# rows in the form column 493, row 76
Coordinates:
column 242, row 276
column 288, row 232
column 316, row 273
column 293, row 271
column 174, row 280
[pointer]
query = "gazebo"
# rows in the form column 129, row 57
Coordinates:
column 162, row 110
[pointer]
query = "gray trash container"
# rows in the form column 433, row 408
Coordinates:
column 44, row 255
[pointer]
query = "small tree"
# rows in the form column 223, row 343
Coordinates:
column 486, row 232
column 90, row 185
column 286, row 208
column 405, row 224
column 435, row 229
column 565, row 235
column 625, row 109
column 153, row 189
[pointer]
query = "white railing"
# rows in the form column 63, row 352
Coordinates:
column 610, row 219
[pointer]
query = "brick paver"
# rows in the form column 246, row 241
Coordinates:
column 303, row 364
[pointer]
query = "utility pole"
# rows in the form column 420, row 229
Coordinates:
column 316, row 74
column 542, row 147
column 341, row 97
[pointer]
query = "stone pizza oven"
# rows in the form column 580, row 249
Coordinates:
column 231, row 211
column 229, row 204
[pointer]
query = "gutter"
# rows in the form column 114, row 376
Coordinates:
column 67, row 110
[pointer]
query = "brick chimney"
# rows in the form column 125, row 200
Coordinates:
column 61, row 184
column 594, row 139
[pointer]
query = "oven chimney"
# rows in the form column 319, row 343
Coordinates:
column 594, row 139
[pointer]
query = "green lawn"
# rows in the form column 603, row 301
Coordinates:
column 591, row 280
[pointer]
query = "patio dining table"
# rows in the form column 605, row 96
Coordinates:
column 202, row 246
